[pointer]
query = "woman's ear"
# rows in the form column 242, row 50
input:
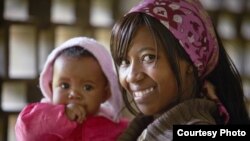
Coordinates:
column 185, row 67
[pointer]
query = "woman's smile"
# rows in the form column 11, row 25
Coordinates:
column 143, row 95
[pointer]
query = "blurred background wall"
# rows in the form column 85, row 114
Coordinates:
column 30, row 29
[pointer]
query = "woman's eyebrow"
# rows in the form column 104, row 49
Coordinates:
column 146, row 49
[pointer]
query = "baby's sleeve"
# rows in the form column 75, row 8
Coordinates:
column 40, row 121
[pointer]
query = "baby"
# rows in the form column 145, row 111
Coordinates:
column 82, row 99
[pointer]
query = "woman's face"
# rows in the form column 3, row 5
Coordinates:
column 145, row 73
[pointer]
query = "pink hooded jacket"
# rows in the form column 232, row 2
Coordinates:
column 47, row 122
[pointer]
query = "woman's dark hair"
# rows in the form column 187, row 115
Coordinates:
column 225, row 76
column 227, row 81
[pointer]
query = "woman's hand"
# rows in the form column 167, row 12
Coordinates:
column 209, row 91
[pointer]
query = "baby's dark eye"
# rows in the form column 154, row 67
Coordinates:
column 87, row 87
column 64, row 85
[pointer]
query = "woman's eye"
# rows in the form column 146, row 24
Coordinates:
column 87, row 87
column 148, row 58
column 64, row 85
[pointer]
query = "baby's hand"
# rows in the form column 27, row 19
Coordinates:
column 75, row 112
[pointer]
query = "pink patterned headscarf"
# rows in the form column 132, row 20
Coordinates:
column 191, row 25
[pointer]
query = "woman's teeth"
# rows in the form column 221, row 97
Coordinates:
column 141, row 93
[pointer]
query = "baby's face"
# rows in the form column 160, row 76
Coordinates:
column 80, row 81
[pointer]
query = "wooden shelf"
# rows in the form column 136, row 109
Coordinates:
column 29, row 30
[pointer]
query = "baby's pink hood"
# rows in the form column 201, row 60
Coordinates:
column 111, row 108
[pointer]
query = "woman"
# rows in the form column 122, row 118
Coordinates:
column 174, row 66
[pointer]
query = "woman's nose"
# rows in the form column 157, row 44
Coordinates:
column 134, row 73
